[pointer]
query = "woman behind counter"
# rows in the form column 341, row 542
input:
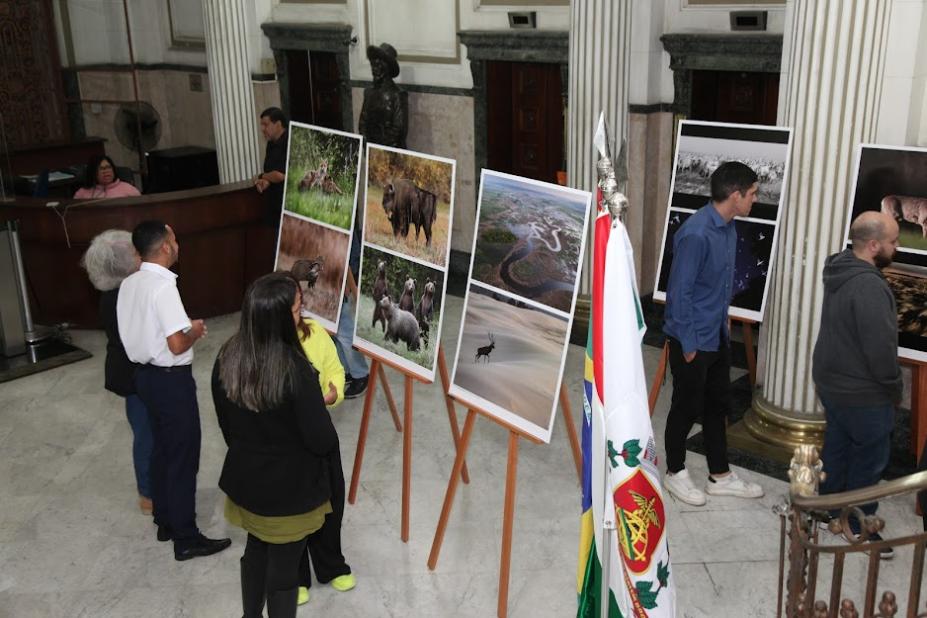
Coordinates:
column 100, row 181
column 280, row 437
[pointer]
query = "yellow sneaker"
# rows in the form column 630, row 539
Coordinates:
column 303, row 597
column 343, row 583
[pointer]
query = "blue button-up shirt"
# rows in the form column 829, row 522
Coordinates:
column 701, row 281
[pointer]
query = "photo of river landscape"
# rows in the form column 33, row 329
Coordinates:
column 529, row 238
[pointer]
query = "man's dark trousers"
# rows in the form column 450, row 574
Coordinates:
column 701, row 389
column 857, row 444
column 170, row 396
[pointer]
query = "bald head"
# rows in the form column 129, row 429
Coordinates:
column 874, row 236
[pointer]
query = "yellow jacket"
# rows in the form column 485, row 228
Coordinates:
column 321, row 352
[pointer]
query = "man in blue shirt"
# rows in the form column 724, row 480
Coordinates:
column 698, row 295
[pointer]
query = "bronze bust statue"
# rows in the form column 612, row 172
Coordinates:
column 384, row 117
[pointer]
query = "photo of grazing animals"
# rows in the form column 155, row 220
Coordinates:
column 323, row 170
column 410, row 199
column 529, row 238
column 399, row 310
column 909, row 285
column 892, row 179
column 510, row 359
column 317, row 256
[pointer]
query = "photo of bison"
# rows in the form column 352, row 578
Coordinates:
column 399, row 310
column 406, row 191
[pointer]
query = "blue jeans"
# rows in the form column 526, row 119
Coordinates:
column 857, row 444
column 142, row 443
column 354, row 363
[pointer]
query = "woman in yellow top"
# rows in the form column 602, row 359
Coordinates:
column 324, row 546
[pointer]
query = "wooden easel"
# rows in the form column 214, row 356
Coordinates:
column 660, row 375
column 376, row 369
column 511, row 473
column 918, row 408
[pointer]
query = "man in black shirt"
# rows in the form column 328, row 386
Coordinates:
column 270, row 182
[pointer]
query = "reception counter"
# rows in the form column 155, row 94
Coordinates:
column 224, row 245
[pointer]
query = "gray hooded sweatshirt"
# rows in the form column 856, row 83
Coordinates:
column 856, row 355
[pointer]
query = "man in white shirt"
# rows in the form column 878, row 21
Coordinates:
column 157, row 334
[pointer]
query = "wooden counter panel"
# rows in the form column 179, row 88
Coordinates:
column 223, row 247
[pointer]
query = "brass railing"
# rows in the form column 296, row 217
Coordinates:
column 801, row 519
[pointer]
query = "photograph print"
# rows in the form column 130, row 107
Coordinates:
column 318, row 256
column 510, row 359
column 410, row 203
column 322, row 173
column 529, row 238
column 892, row 180
column 751, row 266
column 702, row 146
column 399, row 310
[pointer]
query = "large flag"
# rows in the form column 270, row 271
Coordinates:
column 623, row 547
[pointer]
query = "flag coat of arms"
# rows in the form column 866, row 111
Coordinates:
column 623, row 544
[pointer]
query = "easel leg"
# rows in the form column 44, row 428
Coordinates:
column 571, row 432
column 748, row 348
column 389, row 398
column 451, row 412
column 407, row 461
column 658, row 378
column 918, row 412
column 362, row 436
column 451, row 489
column 507, row 521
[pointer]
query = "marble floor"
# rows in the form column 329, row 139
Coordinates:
column 72, row 542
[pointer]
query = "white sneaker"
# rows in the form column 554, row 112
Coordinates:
column 680, row 485
column 733, row 485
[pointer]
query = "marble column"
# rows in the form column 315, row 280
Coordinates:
column 833, row 70
column 600, row 48
column 234, row 117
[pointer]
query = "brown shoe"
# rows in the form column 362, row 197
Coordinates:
column 145, row 505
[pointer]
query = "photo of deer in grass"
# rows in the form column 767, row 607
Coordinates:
column 322, row 172
column 399, row 310
column 510, row 359
column 318, row 256
column 410, row 203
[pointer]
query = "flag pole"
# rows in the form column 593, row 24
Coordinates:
column 617, row 204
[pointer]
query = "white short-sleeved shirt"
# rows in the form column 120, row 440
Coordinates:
column 149, row 310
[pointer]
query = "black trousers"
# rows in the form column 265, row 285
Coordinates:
column 268, row 570
column 324, row 545
column 922, row 495
column 170, row 396
column 701, row 390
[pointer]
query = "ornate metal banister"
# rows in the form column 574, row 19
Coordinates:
column 801, row 515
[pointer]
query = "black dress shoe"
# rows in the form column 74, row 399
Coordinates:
column 199, row 546
column 164, row 533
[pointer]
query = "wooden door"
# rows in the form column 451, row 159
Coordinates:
column 734, row 96
column 525, row 119
column 314, row 83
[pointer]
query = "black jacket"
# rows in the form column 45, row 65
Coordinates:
column 119, row 371
column 277, row 462
column 856, row 355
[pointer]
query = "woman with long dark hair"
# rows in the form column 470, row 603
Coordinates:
column 280, row 436
column 100, row 181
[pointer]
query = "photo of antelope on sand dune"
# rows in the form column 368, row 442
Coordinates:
column 399, row 310
column 510, row 355
column 410, row 199
column 530, row 238
column 322, row 172
column 318, row 256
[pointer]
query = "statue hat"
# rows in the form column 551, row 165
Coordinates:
column 386, row 53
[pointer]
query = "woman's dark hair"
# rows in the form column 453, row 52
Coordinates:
column 258, row 365
column 93, row 165
column 303, row 329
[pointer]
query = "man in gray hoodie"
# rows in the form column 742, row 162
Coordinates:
column 855, row 365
